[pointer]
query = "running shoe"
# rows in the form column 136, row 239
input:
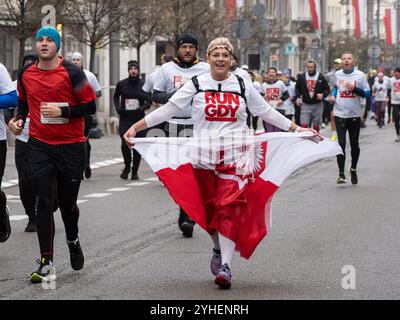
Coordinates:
column 45, row 273
column 398, row 138
column 216, row 261
column 354, row 178
column 5, row 227
column 31, row 225
column 88, row 173
column 77, row 258
column 187, row 228
column 134, row 177
column 125, row 173
column 334, row 138
column 224, row 277
column 341, row 179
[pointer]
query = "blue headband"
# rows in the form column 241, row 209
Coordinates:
column 51, row 32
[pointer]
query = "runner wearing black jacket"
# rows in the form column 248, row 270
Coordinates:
column 313, row 88
column 130, row 101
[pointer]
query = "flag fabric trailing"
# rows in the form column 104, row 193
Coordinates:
column 227, row 183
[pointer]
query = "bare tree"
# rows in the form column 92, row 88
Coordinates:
column 92, row 21
column 142, row 23
column 198, row 17
column 21, row 19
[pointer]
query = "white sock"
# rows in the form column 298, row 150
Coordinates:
column 227, row 249
column 334, row 133
column 215, row 239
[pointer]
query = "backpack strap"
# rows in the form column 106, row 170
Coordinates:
column 196, row 84
column 242, row 88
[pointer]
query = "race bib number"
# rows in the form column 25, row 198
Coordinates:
column 273, row 103
column 58, row 120
column 131, row 104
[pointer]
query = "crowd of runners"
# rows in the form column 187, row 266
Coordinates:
column 56, row 104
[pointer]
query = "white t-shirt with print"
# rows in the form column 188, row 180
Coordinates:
column 394, row 86
column 348, row 104
column 380, row 90
column 311, row 83
column 6, row 86
column 223, row 112
column 273, row 92
column 172, row 77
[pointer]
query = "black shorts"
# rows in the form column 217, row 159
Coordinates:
column 45, row 159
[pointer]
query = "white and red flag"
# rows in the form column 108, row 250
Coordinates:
column 390, row 22
column 360, row 18
column 227, row 183
column 315, row 10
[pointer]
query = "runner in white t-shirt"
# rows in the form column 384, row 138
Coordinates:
column 170, row 78
column 217, row 102
column 351, row 86
column 8, row 99
column 394, row 92
column 380, row 92
column 275, row 93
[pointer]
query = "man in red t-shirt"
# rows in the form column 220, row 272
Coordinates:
column 57, row 96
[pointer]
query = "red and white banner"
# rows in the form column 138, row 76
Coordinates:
column 231, row 9
column 228, row 183
column 315, row 8
column 390, row 26
column 360, row 18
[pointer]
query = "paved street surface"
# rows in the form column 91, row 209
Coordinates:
column 134, row 249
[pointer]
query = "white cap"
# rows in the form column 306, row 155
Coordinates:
column 245, row 67
column 77, row 56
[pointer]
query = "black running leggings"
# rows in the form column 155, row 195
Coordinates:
column 396, row 117
column 52, row 188
column 352, row 125
column 3, row 153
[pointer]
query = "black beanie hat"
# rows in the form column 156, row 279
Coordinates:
column 186, row 38
column 29, row 56
column 397, row 69
column 133, row 63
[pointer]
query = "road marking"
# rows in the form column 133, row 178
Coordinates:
column 152, row 179
column 18, row 217
column 14, row 201
column 8, row 185
column 137, row 184
column 98, row 195
column 118, row 189
column 81, row 201
column 11, row 197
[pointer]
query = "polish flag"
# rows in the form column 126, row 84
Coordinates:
column 315, row 8
column 231, row 8
column 226, row 190
column 360, row 18
column 390, row 26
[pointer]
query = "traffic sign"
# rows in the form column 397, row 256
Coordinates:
column 259, row 10
column 374, row 51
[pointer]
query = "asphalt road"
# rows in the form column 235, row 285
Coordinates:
column 134, row 249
